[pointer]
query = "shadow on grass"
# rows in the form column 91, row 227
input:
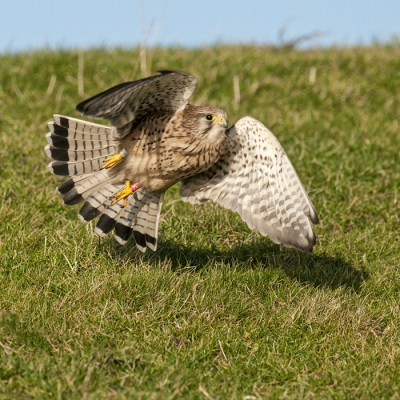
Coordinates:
column 309, row 269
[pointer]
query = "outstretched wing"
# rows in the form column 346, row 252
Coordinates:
column 130, row 101
column 255, row 178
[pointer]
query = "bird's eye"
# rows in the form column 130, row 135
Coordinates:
column 210, row 117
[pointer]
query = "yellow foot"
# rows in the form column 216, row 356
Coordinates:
column 123, row 194
column 115, row 159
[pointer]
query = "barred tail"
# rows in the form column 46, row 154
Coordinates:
column 140, row 216
column 78, row 188
column 77, row 147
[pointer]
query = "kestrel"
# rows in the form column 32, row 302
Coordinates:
column 158, row 139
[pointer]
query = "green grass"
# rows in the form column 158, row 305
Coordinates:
column 218, row 311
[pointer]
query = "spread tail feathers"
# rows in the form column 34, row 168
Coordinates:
column 77, row 147
column 140, row 216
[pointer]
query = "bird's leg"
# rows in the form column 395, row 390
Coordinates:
column 115, row 159
column 123, row 194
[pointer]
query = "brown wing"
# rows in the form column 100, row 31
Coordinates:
column 256, row 179
column 131, row 101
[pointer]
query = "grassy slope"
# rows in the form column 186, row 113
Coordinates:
column 218, row 311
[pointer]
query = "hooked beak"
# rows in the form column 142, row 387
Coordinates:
column 223, row 122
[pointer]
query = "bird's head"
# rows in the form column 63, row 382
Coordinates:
column 210, row 123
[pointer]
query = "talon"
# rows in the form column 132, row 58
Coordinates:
column 123, row 194
column 115, row 159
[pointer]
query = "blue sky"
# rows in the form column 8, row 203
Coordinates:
column 35, row 24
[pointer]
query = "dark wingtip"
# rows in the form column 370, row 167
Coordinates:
column 307, row 250
column 308, row 247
